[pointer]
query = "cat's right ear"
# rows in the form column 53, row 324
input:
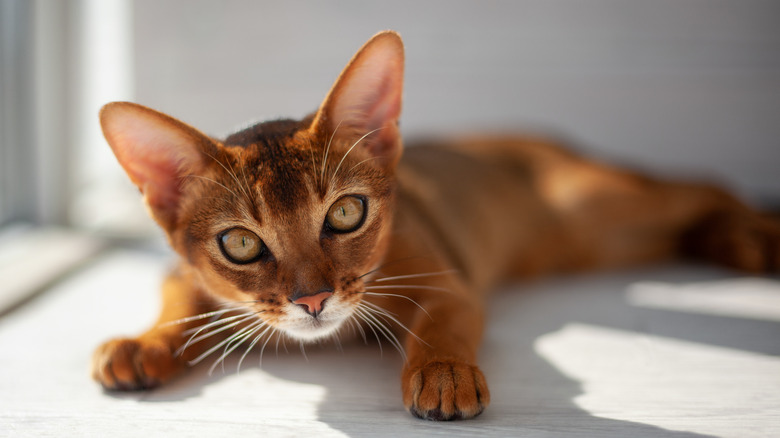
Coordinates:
column 156, row 151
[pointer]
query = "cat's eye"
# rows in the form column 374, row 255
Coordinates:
column 346, row 214
column 240, row 246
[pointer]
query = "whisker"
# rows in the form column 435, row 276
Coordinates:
column 337, row 341
column 252, row 345
column 279, row 336
column 349, row 324
column 195, row 317
column 314, row 169
column 225, row 326
column 238, row 338
column 384, row 265
column 246, row 181
column 274, row 331
column 267, row 340
column 216, row 322
column 335, row 172
column 406, row 277
column 230, row 172
column 356, row 324
column 240, row 186
column 400, row 296
column 364, row 161
column 359, row 313
column 248, row 191
column 215, row 182
column 303, row 350
column 380, row 311
column 211, row 350
column 203, row 198
column 408, row 286
column 327, row 151
column 231, row 303
column 382, row 327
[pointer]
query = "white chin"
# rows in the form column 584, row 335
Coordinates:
column 312, row 330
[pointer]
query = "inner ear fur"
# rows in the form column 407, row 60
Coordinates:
column 157, row 152
column 364, row 103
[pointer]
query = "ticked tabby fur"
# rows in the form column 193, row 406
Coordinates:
column 308, row 229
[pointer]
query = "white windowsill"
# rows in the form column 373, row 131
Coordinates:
column 31, row 258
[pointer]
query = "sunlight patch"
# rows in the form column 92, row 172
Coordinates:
column 285, row 401
column 665, row 382
column 753, row 298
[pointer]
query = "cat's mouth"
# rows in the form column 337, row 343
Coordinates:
column 306, row 327
column 312, row 328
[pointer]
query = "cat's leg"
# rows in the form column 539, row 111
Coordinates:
column 442, row 328
column 620, row 218
column 151, row 359
column 441, row 379
column 613, row 217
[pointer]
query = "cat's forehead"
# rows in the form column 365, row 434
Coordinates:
column 287, row 166
column 269, row 132
column 276, row 160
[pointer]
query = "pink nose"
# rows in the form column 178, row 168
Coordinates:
column 313, row 303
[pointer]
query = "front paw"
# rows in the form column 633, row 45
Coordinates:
column 134, row 364
column 445, row 390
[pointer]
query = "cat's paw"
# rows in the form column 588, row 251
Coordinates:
column 134, row 364
column 445, row 390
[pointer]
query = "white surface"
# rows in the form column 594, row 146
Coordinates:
column 33, row 257
column 567, row 357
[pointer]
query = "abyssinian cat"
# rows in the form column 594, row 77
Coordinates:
column 309, row 229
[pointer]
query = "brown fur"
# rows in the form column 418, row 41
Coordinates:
column 464, row 214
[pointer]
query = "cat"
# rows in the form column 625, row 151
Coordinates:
column 309, row 229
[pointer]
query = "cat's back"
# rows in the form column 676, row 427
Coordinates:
column 480, row 164
column 482, row 155
column 475, row 198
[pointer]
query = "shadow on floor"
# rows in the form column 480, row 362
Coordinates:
column 530, row 396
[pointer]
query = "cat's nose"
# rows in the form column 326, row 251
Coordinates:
column 313, row 304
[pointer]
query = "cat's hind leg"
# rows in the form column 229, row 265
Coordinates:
column 745, row 240
column 616, row 217
column 619, row 218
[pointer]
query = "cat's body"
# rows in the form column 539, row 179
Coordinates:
column 306, row 229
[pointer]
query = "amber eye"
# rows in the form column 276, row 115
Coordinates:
column 240, row 245
column 346, row 214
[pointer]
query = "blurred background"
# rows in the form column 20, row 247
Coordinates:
column 681, row 87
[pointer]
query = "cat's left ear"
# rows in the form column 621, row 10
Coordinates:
column 365, row 102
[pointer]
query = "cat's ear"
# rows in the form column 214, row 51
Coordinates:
column 156, row 151
column 365, row 102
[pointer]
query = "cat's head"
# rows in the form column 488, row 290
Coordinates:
column 286, row 217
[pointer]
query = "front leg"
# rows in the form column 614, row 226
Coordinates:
column 151, row 359
column 440, row 380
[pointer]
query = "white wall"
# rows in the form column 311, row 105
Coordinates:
column 688, row 85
